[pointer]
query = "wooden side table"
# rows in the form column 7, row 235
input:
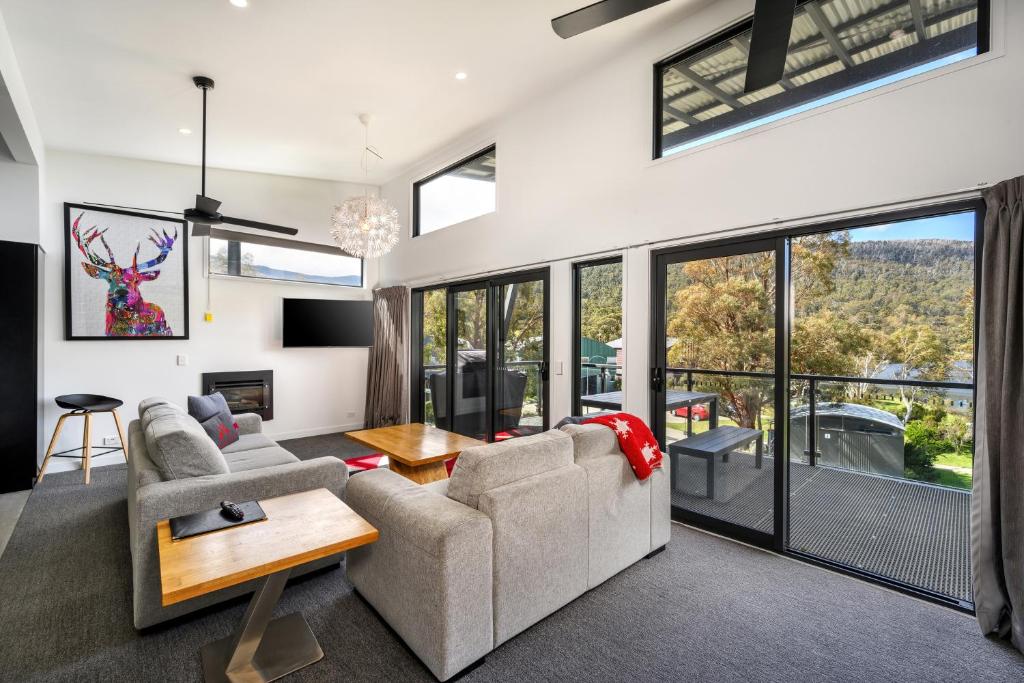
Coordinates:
column 416, row 451
column 299, row 528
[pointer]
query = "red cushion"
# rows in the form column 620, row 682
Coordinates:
column 365, row 462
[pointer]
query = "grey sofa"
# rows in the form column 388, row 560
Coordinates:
column 521, row 528
column 256, row 467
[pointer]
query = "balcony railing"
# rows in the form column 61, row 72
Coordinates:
column 814, row 382
column 533, row 396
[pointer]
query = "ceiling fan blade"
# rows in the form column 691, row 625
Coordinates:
column 598, row 14
column 769, row 43
column 269, row 227
column 133, row 208
column 206, row 204
column 200, row 230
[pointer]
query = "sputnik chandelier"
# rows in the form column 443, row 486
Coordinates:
column 366, row 226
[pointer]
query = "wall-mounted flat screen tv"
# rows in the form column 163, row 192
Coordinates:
column 327, row 322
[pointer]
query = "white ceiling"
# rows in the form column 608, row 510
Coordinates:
column 113, row 76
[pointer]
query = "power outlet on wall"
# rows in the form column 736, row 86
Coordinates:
column 182, row 359
column 111, row 441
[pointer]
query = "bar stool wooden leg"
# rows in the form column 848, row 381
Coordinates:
column 53, row 444
column 120, row 433
column 87, row 445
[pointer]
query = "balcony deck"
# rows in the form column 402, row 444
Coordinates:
column 913, row 532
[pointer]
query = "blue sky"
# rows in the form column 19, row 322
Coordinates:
column 956, row 226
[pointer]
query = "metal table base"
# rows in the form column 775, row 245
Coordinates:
column 263, row 649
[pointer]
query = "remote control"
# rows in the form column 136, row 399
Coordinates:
column 231, row 511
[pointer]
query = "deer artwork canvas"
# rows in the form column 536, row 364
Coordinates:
column 126, row 274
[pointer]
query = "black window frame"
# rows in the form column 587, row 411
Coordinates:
column 235, row 241
column 778, row 540
column 577, row 322
column 437, row 174
column 814, row 90
column 490, row 283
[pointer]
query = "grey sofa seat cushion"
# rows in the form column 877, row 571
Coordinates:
column 179, row 446
column 242, row 461
column 482, row 468
column 248, row 442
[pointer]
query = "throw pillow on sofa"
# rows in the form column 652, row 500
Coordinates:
column 213, row 414
column 178, row 445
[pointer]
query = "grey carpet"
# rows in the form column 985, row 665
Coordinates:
column 707, row 609
column 338, row 445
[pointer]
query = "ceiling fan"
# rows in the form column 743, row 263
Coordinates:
column 205, row 213
column 769, row 39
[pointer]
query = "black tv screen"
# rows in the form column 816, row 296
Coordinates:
column 326, row 322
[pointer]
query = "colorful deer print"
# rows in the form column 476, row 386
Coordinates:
column 128, row 314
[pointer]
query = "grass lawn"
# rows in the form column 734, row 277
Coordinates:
column 954, row 469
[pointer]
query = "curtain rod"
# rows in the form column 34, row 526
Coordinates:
column 867, row 212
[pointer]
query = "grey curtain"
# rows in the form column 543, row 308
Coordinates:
column 387, row 381
column 997, row 503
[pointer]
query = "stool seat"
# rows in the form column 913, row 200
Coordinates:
column 84, row 406
column 88, row 402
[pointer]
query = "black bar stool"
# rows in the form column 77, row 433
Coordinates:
column 84, row 405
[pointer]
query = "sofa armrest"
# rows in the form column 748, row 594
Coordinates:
column 249, row 423
column 166, row 499
column 429, row 575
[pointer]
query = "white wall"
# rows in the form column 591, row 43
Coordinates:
column 575, row 174
column 19, row 201
column 316, row 390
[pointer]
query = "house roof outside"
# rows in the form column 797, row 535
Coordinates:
column 850, row 410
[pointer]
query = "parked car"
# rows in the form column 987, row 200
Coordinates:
column 700, row 412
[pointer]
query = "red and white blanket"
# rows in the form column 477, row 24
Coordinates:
column 636, row 442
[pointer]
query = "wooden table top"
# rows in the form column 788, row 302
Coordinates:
column 299, row 528
column 416, row 443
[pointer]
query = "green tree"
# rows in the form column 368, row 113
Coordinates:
column 918, row 353
column 601, row 302
column 722, row 315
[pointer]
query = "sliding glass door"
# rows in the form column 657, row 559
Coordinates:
column 598, row 367
column 880, row 453
column 715, row 383
column 480, row 356
column 468, row 362
column 815, row 392
column 521, row 353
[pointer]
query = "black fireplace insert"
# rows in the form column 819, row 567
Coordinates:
column 245, row 392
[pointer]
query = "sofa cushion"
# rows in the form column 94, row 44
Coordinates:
column 156, row 411
column 179, row 446
column 213, row 413
column 592, row 440
column 147, row 403
column 258, row 458
column 483, row 468
column 249, row 442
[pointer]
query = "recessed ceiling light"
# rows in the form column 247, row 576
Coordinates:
column 185, row 131
column 240, row 3
column 461, row 76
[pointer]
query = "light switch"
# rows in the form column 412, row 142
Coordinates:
column 558, row 367
column 182, row 359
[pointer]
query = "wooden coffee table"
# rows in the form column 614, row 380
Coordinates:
column 416, row 451
column 299, row 528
